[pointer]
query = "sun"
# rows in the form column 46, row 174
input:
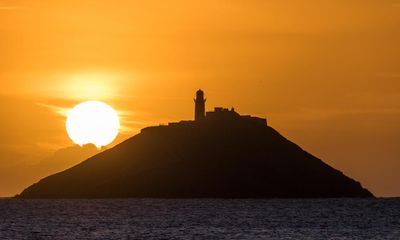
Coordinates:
column 92, row 122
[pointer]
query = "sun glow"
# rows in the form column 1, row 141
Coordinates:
column 92, row 122
column 87, row 85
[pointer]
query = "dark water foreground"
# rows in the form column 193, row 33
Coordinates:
column 200, row 219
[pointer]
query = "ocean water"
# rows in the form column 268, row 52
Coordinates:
column 200, row 219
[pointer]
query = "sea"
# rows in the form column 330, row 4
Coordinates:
column 200, row 219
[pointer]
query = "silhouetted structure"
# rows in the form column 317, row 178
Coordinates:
column 224, row 114
column 219, row 113
column 225, row 155
column 200, row 108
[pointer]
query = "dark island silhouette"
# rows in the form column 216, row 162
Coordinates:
column 219, row 155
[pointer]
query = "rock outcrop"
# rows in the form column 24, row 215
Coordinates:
column 219, row 157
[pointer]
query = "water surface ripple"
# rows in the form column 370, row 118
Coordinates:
column 200, row 219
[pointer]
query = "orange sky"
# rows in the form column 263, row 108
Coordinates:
column 326, row 75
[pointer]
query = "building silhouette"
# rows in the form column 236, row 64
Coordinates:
column 220, row 113
column 200, row 106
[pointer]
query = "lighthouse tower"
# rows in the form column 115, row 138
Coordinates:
column 200, row 108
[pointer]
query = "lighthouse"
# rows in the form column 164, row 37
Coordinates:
column 200, row 108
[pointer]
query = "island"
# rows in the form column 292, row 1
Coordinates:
column 219, row 154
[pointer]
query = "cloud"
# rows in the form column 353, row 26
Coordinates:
column 127, row 126
column 56, row 109
column 321, row 114
column 390, row 75
column 8, row 8
column 25, row 169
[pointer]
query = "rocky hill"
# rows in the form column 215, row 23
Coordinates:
column 221, row 156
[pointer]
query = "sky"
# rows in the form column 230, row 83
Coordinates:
column 326, row 74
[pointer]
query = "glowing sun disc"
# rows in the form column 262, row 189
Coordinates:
column 92, row 122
